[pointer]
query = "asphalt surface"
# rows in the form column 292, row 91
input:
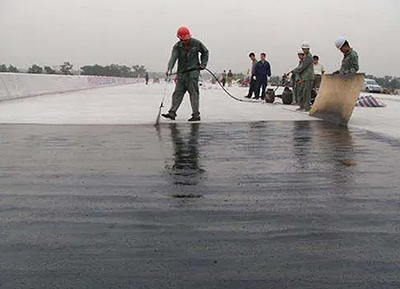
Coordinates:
column 229, row 205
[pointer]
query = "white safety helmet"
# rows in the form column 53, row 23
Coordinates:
column 339, row 42
column 300, row 51
column 305, row 45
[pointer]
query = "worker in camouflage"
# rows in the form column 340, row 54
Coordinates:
column 350, row 59
column 304, row 77
column 295, row 78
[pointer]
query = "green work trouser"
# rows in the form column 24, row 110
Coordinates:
column 305, row 94
column 183, row 85
column 296, row 89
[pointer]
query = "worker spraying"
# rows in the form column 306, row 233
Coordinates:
column 186, row 52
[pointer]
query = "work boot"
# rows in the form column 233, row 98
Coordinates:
column 167, row 115
column 194, row 118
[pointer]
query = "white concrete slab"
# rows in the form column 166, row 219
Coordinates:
column 138, row 104
column 383, row 120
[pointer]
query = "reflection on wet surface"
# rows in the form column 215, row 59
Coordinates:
column 235, row 205
column 186, row 169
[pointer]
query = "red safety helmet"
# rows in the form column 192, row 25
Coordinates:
column 183, row 33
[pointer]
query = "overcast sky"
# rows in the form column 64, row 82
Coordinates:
column 48, row 32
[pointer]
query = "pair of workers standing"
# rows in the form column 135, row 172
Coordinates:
column 259, row 73
column 304, row 72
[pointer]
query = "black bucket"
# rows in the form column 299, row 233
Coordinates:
column 287, row 96
column 270, row 95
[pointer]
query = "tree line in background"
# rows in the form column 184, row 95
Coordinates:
column 114, row 70
column 4, row 68
column 389, row 82
column 67, row 69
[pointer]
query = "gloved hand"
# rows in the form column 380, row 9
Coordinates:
column 254, row 77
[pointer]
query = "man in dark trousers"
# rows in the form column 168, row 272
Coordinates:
column 262, row 71
column 186, row 52
column 252, row 83
column 223, row 78
column 230, row 78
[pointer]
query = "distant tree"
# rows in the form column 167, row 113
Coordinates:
column 275, row 80
column 139, row 71
column 395, row 83
column 3, row 68
column 119, row 70
column 66, row 68
column 113, row 70
column 93, row 70
column 109, row 70
column 49, row 70
column 36, row 69
column 12, row 69
column 86, row 70
column 125, row 71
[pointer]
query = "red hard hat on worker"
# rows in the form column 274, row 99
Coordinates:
column 183, row 33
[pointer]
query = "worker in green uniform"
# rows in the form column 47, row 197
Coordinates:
column 186, row 52
column 296, row 77
column 350, row 59
column 304, row 76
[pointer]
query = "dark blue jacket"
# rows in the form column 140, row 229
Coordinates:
column 262, row 70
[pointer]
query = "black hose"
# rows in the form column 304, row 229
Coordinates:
column 220, row 84
column 227, row 92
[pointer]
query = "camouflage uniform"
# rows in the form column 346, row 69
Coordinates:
column 188, row 59
column 305, row 74
column 349, row 63
column 296, row 86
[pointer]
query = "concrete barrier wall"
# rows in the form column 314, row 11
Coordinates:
column 20, row 85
